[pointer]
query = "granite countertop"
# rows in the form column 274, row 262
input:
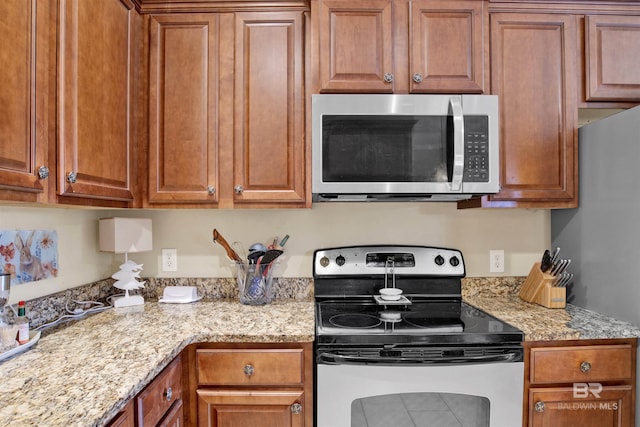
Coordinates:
column 500, row 298
column 82, row 375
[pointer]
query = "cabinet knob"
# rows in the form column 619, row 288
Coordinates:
column 249, row 370
column 296, row 408
column 585, row 366
column 168, row 394
column 388, row 77
column 43, row 172
column 539, row 406
column 72, row 177
column 211, row 190
column 417, row 78
column 238, row 189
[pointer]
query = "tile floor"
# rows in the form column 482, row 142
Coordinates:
column 420, row 410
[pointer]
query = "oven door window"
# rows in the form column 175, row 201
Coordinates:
column 421, row 409
column 386, row 148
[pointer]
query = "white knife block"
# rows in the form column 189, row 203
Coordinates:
column 538, row 288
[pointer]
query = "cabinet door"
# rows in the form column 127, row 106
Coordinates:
column 24, row 50
column 356, row 46
column 269, row 145
column 612, row 58
column 95, row 73
column 448, row 40
column 533, row 69
column 184, row 108
column 125, row 418
column 227, row 408
column 596, row 406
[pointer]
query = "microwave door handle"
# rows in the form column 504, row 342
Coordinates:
column 455, row 108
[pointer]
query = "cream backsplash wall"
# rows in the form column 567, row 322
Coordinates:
column 522, row 234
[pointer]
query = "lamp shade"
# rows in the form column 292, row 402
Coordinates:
column 125, row 235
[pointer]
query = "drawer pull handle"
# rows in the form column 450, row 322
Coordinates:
column 539, row 406
column 296, row 408
column 168, row 394
column 585, row 367
column 388, row 77
column 417, row 78
column 249, row 370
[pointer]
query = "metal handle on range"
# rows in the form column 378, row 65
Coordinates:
column 455, row 108
column 338, row 359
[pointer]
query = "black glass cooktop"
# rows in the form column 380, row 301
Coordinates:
column 441, row 321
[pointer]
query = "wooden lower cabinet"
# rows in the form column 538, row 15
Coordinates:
column 580, row 383
column 252, row 384
column 125, row 418
column 160, row 403
column 227, row 408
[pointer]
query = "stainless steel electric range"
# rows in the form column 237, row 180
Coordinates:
column 395, row 341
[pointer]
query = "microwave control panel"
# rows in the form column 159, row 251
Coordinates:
column 476, row 149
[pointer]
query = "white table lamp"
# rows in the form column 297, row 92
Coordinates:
column 126, row 235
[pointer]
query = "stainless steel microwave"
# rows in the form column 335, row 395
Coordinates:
column 404, row 147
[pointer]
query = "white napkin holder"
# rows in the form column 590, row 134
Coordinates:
column 180, row 294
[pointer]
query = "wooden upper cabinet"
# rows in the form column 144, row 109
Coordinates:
column 184, row 108
column 24, row 99
column 533, row 72
column 356, row 45
column 447, row 46
column 401, row 46
column 95, row 73
column 269, row 144
column 612, row 58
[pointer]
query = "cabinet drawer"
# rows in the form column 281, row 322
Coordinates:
column 582, row 363
column 250, row 367
column 156, row 399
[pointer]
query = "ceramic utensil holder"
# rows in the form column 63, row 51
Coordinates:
column 255, row 283
column 538, row 288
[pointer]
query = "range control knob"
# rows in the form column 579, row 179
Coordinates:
column 340, row 260
column 454, row 261
column 439, row 260
column 324, row 261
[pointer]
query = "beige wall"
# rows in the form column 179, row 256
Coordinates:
column 522, row 233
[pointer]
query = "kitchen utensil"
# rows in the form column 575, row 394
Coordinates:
column 254, row 287
column 254, row 256
column 563, row 267
column 284, row 241
column 555, row 255
column 270, row 256
column 546, row 262
column 217, row 238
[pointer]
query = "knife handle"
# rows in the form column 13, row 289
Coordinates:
column 217, row 237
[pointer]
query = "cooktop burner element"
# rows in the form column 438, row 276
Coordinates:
column 354, row 320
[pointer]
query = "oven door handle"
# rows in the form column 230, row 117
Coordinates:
column 338, row 359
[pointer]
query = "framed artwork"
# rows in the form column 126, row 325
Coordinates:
column 29, row 255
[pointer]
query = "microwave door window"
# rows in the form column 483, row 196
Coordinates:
column 386, row 148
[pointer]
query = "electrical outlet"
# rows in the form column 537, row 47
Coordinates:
column 169, row 260
column 496, row 261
